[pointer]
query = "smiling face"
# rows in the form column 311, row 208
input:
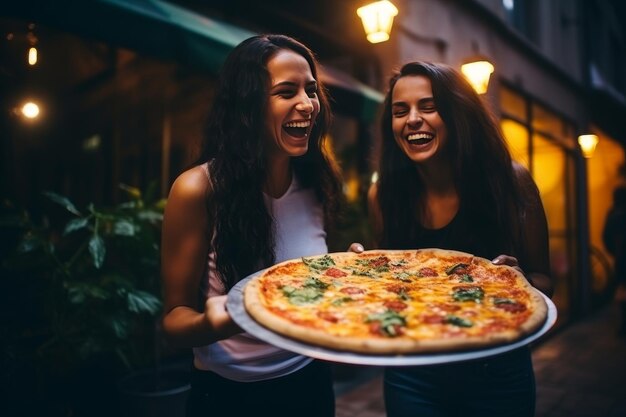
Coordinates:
column 417, row 127
column 292, row 106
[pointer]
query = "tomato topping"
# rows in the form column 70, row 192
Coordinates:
column 397, row 288
column 432, row 319
column 335, row 273
column 427, row 272
column 380, row 261
column 325, row 315
column 512, row 307
column 352, row 290
column 395, row 305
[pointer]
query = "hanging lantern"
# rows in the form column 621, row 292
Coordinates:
column 588, row 144
column 377, row 20
column 477, row 73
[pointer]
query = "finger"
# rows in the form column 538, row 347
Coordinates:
column 356, row 248
column 505, row 260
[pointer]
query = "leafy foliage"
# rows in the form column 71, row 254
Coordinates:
column 97, row 278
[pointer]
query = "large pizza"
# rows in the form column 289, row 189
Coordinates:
column 392, row 302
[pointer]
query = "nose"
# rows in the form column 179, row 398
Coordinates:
column 305, row 105
column 415, row 119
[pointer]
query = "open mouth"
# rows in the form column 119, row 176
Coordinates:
column 297, row 129
column 420, row 138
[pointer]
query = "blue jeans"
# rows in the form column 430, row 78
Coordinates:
column 500, row 386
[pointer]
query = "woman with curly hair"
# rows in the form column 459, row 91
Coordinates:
column 447, row 181
column 263, row 191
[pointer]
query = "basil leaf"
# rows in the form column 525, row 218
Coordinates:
column 466, row 278
column 502, row 300
column 321, row 263
column 301, row 296
column 454, row 267
column 402, row 276
column 468, row 294
column 388, row 321
column 312, row 282
column 341, row 301
column 458, row 321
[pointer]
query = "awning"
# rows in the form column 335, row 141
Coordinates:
column 163, row 30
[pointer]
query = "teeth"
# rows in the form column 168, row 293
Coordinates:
column 298, row 124
column 418, row 136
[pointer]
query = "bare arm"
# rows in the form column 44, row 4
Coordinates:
column 535, row 237
column 183, row 257
column 375, row 214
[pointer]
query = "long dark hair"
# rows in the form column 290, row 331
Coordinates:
column 243, row 233
column 489, row 192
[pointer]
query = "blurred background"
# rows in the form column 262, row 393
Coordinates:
column 103, row 104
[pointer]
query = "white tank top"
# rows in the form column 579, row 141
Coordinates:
column 299, row 231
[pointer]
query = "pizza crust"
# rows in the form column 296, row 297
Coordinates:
column 256, row 306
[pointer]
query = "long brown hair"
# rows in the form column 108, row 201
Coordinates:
column 484, row 177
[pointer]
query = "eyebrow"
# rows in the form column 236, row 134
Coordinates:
column 293, row 84
column 422, row 101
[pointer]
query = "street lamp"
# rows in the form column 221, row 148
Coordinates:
column 30, row 110
column 588, row 144
column 477, row 73
column 377, row 20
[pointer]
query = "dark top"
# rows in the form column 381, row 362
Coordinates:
column 457, row 235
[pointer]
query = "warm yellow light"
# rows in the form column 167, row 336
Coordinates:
column 588, row 144
column 32, row 56
column 30, row 110
column 478, row 73
column 377, row 20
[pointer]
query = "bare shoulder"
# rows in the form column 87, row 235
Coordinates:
column 187, row 201
column 192, row 184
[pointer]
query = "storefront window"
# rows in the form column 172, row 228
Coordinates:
column 517, row 140
column 542, row 141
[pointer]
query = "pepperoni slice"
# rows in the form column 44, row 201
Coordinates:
column 432, row 319
column 325, row 315
column 375, row 328
column 380, row 261
column 397, row 288
column 352, row 290
column 335, row 273
column 395, row 305
column 427, row 272
column 512, row 307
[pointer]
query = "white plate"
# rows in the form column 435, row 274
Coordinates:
column 239, row 314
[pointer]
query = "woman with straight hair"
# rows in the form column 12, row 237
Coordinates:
column 447, row 181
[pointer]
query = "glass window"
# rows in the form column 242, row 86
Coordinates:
column 542, row 145
column 549, row 162
column 513, row 104
column 516, row 136
column 546, row 121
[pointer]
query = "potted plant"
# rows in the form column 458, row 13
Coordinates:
column 99, row 292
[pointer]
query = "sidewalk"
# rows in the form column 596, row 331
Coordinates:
column 580, row 372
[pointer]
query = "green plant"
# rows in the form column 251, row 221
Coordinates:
column 97, row 279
